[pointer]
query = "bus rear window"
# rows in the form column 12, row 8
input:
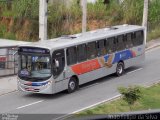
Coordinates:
column 138, row 38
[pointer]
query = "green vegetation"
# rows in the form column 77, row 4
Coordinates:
column 21, row 16
column 154, row 18
column 130, row 94
column 154, row 34
column 150, row 98
column 3, row 30
column 20, row 8
column 62, row 19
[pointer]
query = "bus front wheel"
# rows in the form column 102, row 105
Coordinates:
column 72, row 85
column 120, row 69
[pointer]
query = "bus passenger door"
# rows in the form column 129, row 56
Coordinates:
column 58, row 61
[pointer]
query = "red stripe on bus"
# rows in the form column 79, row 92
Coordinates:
column 86, row 67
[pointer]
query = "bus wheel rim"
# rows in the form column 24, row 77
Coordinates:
column 120, row 69
column 72, row 85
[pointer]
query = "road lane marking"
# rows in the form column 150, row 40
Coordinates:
column 3, row 94
column 107, row 100
column 30, row 104
column 134, row 70
column 93, row 105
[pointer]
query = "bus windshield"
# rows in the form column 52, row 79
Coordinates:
column 34, row 68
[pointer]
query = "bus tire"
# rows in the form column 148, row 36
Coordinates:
column 120, row 69
column 72, row 85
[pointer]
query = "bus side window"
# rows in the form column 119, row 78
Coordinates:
column 125, row 41
column 129, row 43
column 139, row 37
column 71, row 55
column 142, row 37
column 120, row 43
column 101, row 47
column 91, row 50
column 81, row 53
column 111, row 45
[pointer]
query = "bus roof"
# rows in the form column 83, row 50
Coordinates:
column 11, row 43
column 71, row 40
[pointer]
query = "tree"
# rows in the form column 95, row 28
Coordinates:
column 130, row 94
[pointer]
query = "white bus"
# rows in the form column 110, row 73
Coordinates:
column 66, row 62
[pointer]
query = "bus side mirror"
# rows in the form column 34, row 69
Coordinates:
column 56, row 63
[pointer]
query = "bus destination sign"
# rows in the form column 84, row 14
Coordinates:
column 33, row 50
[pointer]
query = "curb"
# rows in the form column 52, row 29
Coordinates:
column 152, row 84
column 154, row 46
column 8, row 92
column 5, row 76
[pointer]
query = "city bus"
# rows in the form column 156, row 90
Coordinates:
column 65, row 63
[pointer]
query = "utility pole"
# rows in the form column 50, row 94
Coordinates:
column 145, row 17
column 84, row 17
column 43, row 19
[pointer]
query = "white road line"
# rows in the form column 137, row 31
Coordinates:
column 135, row 70
column 107, row 100
column 29, row 104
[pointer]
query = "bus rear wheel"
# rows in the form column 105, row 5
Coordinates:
column 72, row 85
column 120, row 69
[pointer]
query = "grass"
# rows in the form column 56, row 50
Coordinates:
column 154, row 34
column 149, row 100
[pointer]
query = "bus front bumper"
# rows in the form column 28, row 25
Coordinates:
column 44, row 87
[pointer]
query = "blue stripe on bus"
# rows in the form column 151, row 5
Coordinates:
column 39, row 83
column 106, row 57
column 123, row 55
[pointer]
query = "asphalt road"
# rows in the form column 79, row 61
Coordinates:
column 89, row 94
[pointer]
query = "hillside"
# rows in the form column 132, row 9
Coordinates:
column 19, row 19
